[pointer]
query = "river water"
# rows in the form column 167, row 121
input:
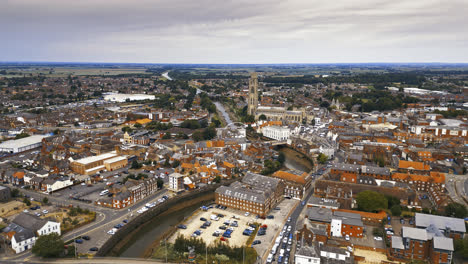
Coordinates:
column 221, row 109
column 147, row 235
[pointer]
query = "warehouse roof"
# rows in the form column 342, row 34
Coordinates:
column 92, row 159
column 22, row 142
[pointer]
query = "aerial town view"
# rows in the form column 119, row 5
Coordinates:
column 234, row 132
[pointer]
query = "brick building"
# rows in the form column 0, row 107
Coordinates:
column 296, row 182
column 256, row 194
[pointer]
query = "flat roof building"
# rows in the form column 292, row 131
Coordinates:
column 23, row 144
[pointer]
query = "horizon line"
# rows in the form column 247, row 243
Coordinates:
column 192, row 63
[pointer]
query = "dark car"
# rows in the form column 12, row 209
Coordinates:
column 202, row 219
column 256, row 242
column 125, row 221
column 220, row 215
column 270, row 217
column 86, row 237
column 223, row 227
column 79, row 241
column 182, row 226
column 118, row 226
column 93, row 249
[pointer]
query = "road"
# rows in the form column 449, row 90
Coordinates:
column 106, row 218
column 457, row 188
column 166, row 75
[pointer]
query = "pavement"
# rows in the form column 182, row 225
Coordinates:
column 457, row 188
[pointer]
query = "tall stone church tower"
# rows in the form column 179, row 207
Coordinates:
column 253, row 94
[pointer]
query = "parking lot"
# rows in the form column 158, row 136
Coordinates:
column 237, row 238
column 367, row 239
column 91, row 191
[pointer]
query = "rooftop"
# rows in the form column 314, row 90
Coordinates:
column 17, row 143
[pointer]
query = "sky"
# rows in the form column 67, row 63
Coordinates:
column 228, row 31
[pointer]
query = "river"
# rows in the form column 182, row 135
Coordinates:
column 295, row 160
column 221, row 109
column 155, row 229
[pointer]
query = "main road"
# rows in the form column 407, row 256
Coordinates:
column 106, row 218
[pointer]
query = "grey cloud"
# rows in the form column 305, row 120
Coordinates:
column 214, row 31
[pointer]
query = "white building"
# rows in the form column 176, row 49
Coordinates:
column 276, row 132
column 23, row 144
column 113, row 97
column 176, row 182
column 307, row 255
column 26, row 229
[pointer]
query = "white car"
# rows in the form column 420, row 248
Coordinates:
column 111, row 232
column 83, row 184
column 347, row 237
column 247, row 214
column 376, row 238
column 45, row 211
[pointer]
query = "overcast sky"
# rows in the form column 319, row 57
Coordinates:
column 228, row 31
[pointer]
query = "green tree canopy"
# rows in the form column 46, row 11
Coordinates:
column 48, row 246
column 456, row 210
column 396, row 210
column 371, row 201
column 322, row 158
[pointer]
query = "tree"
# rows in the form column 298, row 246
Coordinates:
column 135, row 165
column 396, row 210
column 175, row 163
column 126, row 129
column 249, row 119
column 26, row 201
column 322, row 158
column 45, row 200
column 281, row 158
column 197, row 136
column 48, row 246
column 22, row 135
column 262, row 117
column 167, row 136
column 160, row 183
column 209, row 133
column 461, row 247
column 370, row 201
column 217, row 179
column 456, row 210
column 15, row 193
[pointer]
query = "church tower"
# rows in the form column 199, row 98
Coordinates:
column 253, row 94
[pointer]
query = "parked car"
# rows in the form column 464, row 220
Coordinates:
column 270, row 217
column 376, row 238
column 86, row 237
column 182, row 226
column 93, row 249
column 256, row 242
column 79, row 241
column 347, row 237
column 202, row 219
column 45, row 211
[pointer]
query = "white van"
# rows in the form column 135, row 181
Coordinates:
column 214, row 217
column 104, row 192
column 270, row 258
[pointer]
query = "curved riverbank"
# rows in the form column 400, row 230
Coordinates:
column 143, row 240
column 296, row 160
column 130, row 236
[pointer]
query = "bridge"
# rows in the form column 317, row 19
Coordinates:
column 278, row 142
